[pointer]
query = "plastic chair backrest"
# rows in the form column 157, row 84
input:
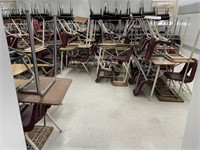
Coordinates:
column 129, row 53
column 150, row 48
column 36, row 25
column 142, row 44
column 31, row 114
column 192, row 67
column 64, row 39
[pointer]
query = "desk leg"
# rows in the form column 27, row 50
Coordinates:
column 98, row 60
column 181, row 86
column 53, row 121
column 155, row 80
column 61, row 62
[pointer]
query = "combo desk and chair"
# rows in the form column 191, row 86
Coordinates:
column 34, row 107
column 36, row 93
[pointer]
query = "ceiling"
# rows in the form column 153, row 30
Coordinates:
column 186, row 2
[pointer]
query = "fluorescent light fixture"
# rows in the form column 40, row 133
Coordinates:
column 153, row 17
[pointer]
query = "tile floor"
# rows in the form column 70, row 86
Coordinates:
column 99, row 116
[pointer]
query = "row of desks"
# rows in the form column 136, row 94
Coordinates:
column 103, row 47
column 156, row 60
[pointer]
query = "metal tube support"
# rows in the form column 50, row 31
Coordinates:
column 30, row 142
column 53, row 121
column 195, row 44
column 43, row 23
column 183, row 80
column 55, row 46
column 155, row 80
column 61, row 62
column 175, row 28
column 184, row 35
column 88, row 30
column 30, row 31
column 179, row 32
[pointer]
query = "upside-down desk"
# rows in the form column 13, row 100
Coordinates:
column 54, row 96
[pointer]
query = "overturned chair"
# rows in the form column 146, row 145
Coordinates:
column 125, row 61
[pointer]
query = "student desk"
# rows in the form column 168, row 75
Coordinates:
column 20, row 68
column 54, row 96
column 65, row 49
column 38, row 48
column 19, row 82
column 72, row 47
column 106, row 53
column 160, row 61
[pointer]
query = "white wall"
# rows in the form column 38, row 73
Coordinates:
column 191, row 139
column 81, row 7
column 12, row 137
column 193, row 28
column 187, row 2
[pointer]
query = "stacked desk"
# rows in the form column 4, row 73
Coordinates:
column 102, row 59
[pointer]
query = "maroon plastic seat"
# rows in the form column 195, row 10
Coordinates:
column 63, row 38
column 31, row 114
column 178, row 76
column 142, row 44
column 12, row 41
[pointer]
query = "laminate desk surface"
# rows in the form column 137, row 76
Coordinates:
column 54, row 96
column 84, row 46
column 19, row 82
column 19, row 68
column 50, row 43
column 80, row 19
column 68, row 48
column 38, row 48
column 160, row 60
column 107, row 44
column 75, row 43
column 186, row 60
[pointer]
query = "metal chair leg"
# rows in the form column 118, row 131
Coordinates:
column 53, row 121
column 86, row 68
column 30, row 141
column 188, row 88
